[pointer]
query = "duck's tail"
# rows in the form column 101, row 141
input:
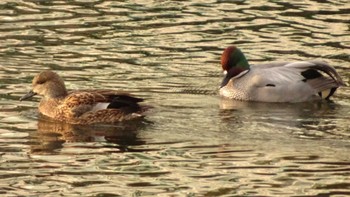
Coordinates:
column 326, row 84
column 329, row 70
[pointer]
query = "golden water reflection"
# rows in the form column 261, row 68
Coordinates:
column 168, row 53
column 51, row 135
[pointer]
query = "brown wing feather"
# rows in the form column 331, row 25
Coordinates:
column 78, row 103
column 104, row 95
column 77, row 106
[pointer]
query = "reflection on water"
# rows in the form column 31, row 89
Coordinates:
column 193, row 143
column 51, row 135
column 307, row 120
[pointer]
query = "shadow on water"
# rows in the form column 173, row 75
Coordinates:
column 51, row 135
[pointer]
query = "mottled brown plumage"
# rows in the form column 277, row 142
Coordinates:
column 82, row 106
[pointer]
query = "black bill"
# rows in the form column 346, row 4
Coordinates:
column 28, row 95
column 225, row 81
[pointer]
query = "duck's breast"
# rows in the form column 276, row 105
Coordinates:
column 49, row 107
column 238, row 88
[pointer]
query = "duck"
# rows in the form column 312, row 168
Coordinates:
column 283, row 81
column 90, row 106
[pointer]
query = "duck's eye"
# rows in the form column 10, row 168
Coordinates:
column 40, row 82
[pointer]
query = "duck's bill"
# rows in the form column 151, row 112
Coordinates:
column 30, row 94
column 225, row 81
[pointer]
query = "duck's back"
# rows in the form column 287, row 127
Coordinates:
column 279, row 82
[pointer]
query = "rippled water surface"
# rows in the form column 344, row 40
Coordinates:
column 192, row 143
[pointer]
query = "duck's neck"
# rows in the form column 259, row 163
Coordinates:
column 48, row 106
column 243, row 63
column 56, row 90
column 53, row 97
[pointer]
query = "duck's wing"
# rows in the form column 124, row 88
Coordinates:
column 105, row 95
column 299, row 80
column 80, row 102
column 311, row 70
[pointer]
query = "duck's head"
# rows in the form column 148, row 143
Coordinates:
column 233, row 62
column 47, row 84
column 233, row 57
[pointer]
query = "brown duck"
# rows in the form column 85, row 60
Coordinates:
column 82, row 106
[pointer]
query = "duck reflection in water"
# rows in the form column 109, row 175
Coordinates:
column 51, row 135
column 306, row 118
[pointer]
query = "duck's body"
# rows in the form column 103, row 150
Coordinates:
column 277, row 81
column 82, row 106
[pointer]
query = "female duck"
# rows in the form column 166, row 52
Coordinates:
column 82, row 107
column 278, row 81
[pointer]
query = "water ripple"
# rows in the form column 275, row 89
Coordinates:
column 192, row 143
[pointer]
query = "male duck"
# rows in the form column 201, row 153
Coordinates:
column 278, row 81
column 84, row 106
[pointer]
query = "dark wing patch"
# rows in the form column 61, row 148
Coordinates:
column 126, row 97
column 311, row 74
column 271, row 85
column 129, row 104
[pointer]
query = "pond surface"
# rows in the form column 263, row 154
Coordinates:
column 192, row 143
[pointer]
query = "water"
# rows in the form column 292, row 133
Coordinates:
column 192, row 143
